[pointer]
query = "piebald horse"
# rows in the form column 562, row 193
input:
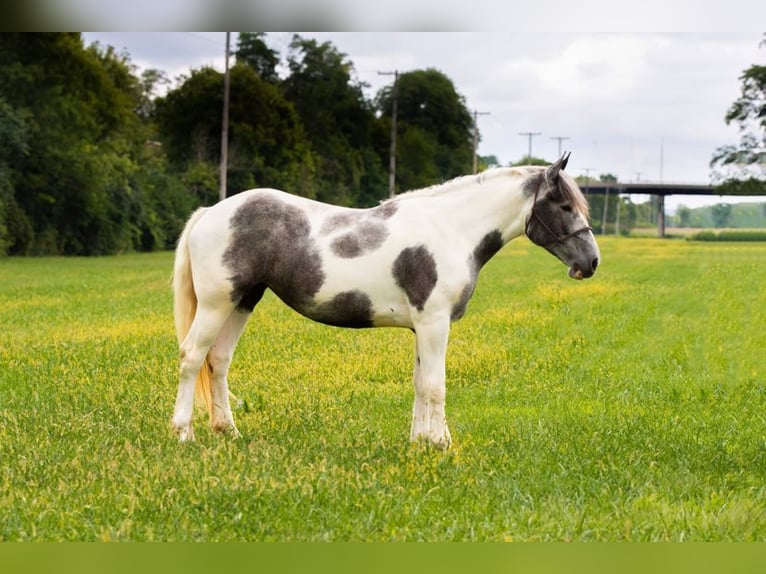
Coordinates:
column 412, row 261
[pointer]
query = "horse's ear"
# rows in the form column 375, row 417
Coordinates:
column 564, row 159
column 552, row 173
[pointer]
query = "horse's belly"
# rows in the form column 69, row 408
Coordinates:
column 353, row 309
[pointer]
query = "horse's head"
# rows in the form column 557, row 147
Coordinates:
column 558, row 220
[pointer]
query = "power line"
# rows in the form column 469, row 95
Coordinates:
column 203, row 38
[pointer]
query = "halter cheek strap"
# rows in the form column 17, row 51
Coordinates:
column 534, row 214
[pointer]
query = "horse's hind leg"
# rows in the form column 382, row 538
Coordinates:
column 205, row 328
column 219, row 357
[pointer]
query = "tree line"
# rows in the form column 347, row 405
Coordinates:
column 93, row 161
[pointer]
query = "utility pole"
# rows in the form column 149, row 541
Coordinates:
column 530, row 135
column 587, row 178
column 225, row 129
column 476, row 138
column 560, row 138
column 392, row 152
column 661, row 198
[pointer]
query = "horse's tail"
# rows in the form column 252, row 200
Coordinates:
column 185, row 306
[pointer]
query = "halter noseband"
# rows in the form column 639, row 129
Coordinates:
column 533, row 213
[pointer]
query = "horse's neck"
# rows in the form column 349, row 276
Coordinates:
column 483, row 203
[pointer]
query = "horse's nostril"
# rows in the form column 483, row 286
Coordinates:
column 594, row 264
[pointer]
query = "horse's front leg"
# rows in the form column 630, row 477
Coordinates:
column 429, row 421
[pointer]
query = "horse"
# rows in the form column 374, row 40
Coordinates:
column 412, row 261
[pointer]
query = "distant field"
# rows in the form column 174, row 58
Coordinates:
column 686, row 231
column 631, row 406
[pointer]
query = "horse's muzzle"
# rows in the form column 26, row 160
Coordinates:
column 576, row 272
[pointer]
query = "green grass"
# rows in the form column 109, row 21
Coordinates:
column 631, row 406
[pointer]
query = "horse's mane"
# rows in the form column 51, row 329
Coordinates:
column 456, row 183
column 573, row 194
column 567, row 185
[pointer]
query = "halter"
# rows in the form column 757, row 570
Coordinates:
column 533, row 213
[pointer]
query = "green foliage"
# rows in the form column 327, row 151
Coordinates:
column 435, row 128
column 94, row 161
column 750, row 186
column 684, row 215
column 253, row 51
column 339, row 122
column 73, row 190
column 487, row 161
column 267, row 145
column 743, row 216
column 626, row 407
column 729, row 235
column 13, row 147
column 747, row 159
column 532, row 160
column 721, row 214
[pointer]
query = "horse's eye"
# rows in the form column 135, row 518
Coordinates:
column 566, row 207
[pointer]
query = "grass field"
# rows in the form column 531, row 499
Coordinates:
column 631, row 406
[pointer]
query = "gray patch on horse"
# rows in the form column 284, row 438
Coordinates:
column 347, row 309
column 251, row 298
column 385, row 210
column 531, row 185
column 271, row 246
column 339, row 221
column 490, row 244
column 415, row 272
column 365, row 237
column 552, row 215
column 459, row 308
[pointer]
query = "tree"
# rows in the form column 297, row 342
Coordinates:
column 487, row 161
column 15, row 229
column 339, row 122
column 684, row 216
column 434, row 125
column 721, row 214
column 151, row 82
column 83, row 135
column 253, row 51
column 747, row 160
column 267, row 145
column 80, row 172
column 531, row 160
column 629, row 211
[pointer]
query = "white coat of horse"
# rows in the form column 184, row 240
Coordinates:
column 413, row 262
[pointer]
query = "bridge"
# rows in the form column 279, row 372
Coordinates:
column 660, row 190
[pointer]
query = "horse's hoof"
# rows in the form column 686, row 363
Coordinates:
column 185, row 434
column 226, row 429
column 442, row 443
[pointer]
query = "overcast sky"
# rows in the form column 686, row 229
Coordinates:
column 642, row 106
